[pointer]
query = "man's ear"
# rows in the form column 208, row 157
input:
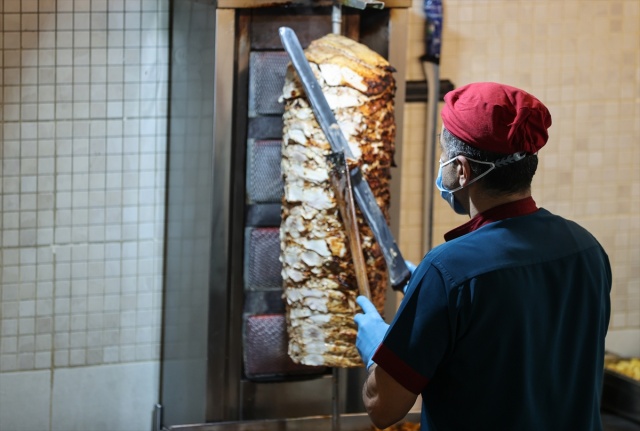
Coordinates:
column 463, row 170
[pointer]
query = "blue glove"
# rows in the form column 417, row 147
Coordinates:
column 371, row 330
column 412, row 267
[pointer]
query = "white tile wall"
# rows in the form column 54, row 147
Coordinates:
column 116, row 397
column 83, row 138
column 75, row 181
column 25, row 398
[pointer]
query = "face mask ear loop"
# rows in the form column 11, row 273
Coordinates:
column 512, row 158
column 492, row 166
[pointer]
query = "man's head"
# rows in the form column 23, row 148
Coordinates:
column 491, row 122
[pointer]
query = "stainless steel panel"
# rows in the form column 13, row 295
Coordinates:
column 188, row 236
column 348, row 422
column 309, row 23
column 229, row 394
column 289, row 399
column 398, row 31
column 308, row 3
column 223, row 78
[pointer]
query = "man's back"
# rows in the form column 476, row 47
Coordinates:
column 529, row 310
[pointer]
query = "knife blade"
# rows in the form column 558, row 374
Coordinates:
column 398, row 272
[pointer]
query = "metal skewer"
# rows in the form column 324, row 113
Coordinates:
column 335, row 400
column 336, row 18
column 342, row 189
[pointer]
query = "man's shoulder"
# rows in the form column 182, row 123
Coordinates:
column 510, row 242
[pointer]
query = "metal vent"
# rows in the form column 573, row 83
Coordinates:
column 267, row 70
column 262, row 259
column 264, row 178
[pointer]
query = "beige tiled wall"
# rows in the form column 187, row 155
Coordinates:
column 582, row 59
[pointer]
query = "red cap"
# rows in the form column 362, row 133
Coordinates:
column 496, row 117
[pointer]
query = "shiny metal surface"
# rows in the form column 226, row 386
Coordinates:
column 363, row 4
column 183, row 385
column 335, row 400
column 290, row 398
column 397, row 56
column 354, row 422
column 432, row 73
column 219, row 317
column 348, row 422
column 309, row 3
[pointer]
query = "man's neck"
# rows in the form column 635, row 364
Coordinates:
column 480, row 201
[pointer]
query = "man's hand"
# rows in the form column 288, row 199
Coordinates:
column 371, row 330
column 412, row 266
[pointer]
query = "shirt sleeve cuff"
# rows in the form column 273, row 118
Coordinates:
column 399, row 370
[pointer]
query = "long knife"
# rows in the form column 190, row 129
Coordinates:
column 398, row 272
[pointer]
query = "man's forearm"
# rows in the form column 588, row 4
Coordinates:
column 386, row 400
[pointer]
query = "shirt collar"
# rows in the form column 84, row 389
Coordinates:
column 511, row 209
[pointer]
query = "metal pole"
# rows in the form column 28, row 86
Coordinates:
column 336, row 18
column 432, row 74
column 335, row 400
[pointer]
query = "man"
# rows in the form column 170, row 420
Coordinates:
column 502, row 327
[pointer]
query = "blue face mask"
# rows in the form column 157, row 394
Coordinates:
column 448, row 196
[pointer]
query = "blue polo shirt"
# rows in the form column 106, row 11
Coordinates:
column 503, row 326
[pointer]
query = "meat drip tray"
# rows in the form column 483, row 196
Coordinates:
column 348, row 422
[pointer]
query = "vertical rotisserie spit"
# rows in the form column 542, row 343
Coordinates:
column 319, row 281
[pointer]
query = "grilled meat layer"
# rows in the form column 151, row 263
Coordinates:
column 319, row 280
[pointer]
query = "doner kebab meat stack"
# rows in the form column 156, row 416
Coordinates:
column 319, row 279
